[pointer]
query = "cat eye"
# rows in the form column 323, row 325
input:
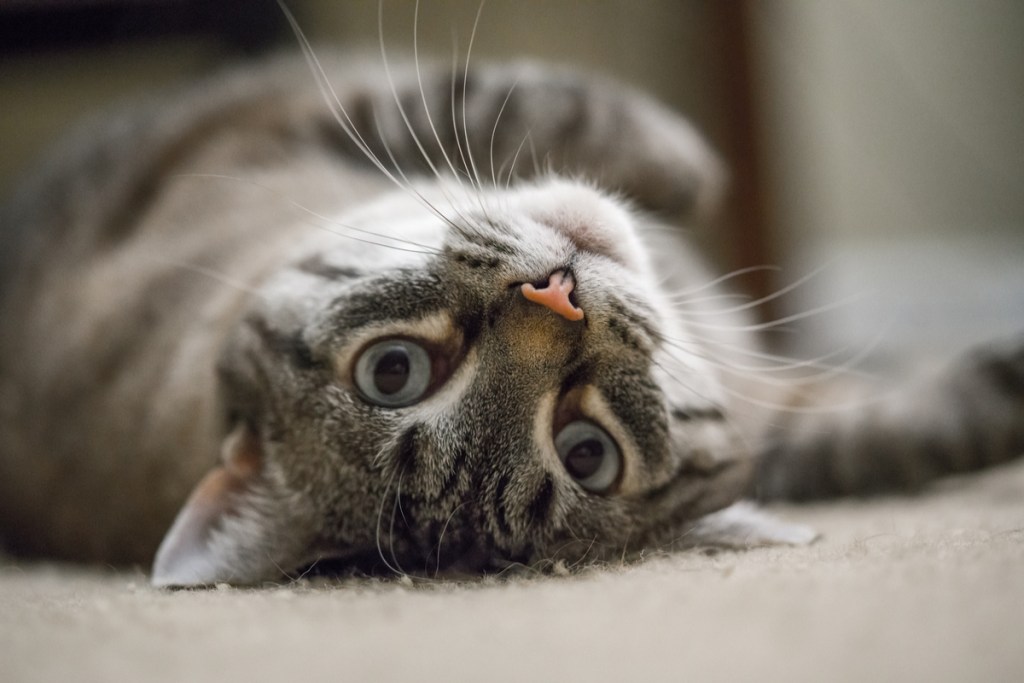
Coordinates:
column 589, row 455
column 393, row 373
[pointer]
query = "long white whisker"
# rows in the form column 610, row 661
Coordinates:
column 394, row 91
column 494, row 129
column 380, row 518
column 782, row 363
column 515, row 158
column 440, row 536
column 207, row 272
column 775, row 324
column 408, row 123
column 765, row 376
column 391, row 529
column 426, row 202
column 706, row 353
column 745, row 298
column 465, row 81
column 341, row 116
column 724, row 278
column 423, row 94
column 422, row 248
column 758, row 302
column 330, row 97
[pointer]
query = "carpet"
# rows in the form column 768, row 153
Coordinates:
column 929, row 587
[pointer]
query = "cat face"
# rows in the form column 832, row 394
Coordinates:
column 499, row 389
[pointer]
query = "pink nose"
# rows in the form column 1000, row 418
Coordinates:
column 556, row 295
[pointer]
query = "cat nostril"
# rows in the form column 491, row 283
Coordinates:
column 556, row 293
column 541, row 284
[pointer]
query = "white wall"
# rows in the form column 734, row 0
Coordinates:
column 895, row 149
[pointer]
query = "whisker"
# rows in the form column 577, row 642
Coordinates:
column 330, row 96
column 775, row 324
column 494, row 129
column 423, row 94
column 341, row 116
column 728, row 276
column 380, row 518
column 706, row 349
column 207, row 272
column 422, row 248
column 745, row 298
column 515, row 158
column 457, row 130
column 763, row 300
column 440, row 537
column 394, row 91
column 465, row 81
column 761, row 376
column 778, row 406
column 391, row 527
column 422, row 198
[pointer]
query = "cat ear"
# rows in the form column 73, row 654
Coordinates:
column 236, row 527
column 744, row 525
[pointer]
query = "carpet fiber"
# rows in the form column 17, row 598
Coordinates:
column 924, row 588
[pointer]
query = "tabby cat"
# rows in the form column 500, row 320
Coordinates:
column 411, row 320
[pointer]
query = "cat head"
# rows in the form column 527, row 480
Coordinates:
column 503, row 386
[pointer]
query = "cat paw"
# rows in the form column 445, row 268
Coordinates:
column 744, row 525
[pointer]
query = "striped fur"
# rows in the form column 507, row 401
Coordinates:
column 189, row 283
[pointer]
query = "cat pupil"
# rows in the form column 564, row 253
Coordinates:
column 584, row 459
column 391, row 373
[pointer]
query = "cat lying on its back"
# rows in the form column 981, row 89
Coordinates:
column 366, row 329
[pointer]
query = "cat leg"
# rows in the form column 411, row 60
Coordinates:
column 969, row 417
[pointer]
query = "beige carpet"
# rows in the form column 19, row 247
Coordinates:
column 929, row 589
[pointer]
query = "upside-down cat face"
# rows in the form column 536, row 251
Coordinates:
column 499, row 389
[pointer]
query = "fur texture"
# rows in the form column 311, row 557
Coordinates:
column 192, row 286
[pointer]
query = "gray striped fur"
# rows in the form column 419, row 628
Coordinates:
column 186, row 283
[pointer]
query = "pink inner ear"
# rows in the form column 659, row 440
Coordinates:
column 184, row 557
column 242, row 453
column 187, row 556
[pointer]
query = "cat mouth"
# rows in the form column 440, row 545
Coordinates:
column 471, row 562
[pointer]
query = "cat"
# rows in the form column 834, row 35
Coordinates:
column 414, row 319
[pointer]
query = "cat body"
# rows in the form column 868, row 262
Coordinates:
column 371, row 327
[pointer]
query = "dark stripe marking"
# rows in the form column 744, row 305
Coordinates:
column 637, row 319
column 471, row 324
column 686, row 414
column 291, row 346
column 500, row 514
column 476, row 262
column 316, row 265
column 577, row 377
column 458, row 464
column 405, row 453
column 540, row 506
column 625, row 335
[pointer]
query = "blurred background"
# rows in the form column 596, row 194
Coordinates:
column 876, row 147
